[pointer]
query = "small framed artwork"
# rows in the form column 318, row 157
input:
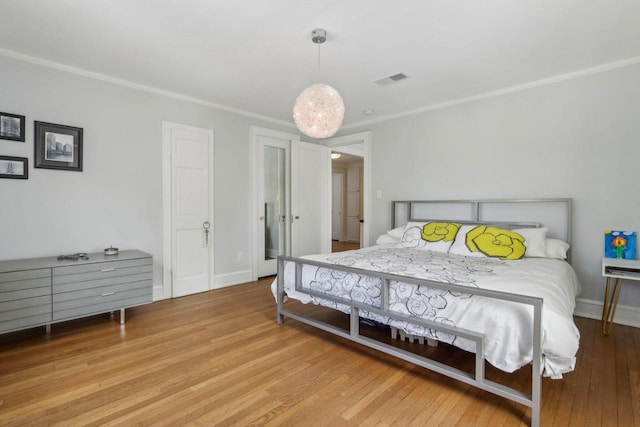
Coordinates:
column 57, row 147
column 14, row 167
column 12, row 127
column 620, row 244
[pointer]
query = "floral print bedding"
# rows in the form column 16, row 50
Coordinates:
column 507, row 326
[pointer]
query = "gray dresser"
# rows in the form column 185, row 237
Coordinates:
column 42, row 291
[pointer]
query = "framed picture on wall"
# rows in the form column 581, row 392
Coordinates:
column 14, row 167
column 57, row 147
column 12, row 127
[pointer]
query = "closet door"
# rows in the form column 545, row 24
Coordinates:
column 310, row 199
column 273, row 188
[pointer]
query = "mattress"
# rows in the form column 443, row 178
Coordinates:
column 507, row 326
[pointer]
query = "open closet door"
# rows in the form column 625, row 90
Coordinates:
column 310, row 199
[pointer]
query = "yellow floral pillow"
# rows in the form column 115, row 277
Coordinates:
column 430, row 236
column 485, row 240
column 440, row 231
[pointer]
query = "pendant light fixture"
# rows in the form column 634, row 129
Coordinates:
column 319, row 109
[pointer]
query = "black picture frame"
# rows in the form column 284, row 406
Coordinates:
column 14, row 167
column 57, row 147
column 12, row 127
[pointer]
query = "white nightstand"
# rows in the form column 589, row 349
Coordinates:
column 618, row 269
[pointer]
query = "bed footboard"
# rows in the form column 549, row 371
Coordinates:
column 476, row 379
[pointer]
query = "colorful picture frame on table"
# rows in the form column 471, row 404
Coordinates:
column 57, row 147
column 12, row 127
column 14, row 167
column 620, row 244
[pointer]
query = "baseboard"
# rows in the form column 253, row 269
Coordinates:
column 230, row 279
column 158, row 292
column 629, row 316
column 220, row 281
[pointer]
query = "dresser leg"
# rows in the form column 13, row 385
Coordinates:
column 122, row 316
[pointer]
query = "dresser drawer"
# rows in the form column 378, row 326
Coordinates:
column 99, row 299
column 25, row 312
column 24, row 284
column 82, row 281
column 74, row 273
column 25, row 322
column 24, row 305
column 35, row 307
column 25, row 299
column 20, row 276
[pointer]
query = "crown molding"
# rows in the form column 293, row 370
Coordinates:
column 137, row 86
column 518, row 88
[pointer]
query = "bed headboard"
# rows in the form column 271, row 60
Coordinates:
column 556, row 214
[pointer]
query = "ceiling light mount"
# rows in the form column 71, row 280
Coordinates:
column 319, row 109
column 318, row 36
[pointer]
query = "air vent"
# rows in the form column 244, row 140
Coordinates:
column 391, row 79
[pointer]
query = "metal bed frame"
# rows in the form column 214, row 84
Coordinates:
column 476, row 379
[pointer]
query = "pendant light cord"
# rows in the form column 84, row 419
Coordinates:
column 318, row 78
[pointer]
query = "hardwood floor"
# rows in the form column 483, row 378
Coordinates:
column 219, row 358
column 337, row 246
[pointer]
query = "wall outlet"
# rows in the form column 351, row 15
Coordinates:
column 239, row 257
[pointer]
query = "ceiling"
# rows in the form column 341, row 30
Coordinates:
column 346, row 159
column 255, row 57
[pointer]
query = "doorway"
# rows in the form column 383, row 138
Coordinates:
column 347, row 201
column 355, row 148
column 291, row 214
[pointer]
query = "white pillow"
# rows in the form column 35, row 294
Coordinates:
column 556, row 249
column 397, row 232
column 387, row 239
column 534, row 241
column 418, row 235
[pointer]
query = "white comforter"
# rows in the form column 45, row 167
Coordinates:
column 507, row 326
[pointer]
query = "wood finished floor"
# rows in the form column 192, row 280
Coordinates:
column 219, row 358
column 337, row 246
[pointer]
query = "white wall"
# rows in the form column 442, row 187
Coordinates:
column 117, row 199
column 578, row 138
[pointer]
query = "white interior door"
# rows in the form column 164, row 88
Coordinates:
column 336, row 205
column 310, row 199
column 191, row 166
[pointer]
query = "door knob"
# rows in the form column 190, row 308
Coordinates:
column 205, row 226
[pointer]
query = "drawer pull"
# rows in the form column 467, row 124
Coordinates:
column 106, row 294
column 108, row 269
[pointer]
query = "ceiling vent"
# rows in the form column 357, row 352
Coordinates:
column 391, row 79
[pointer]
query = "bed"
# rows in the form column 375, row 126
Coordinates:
column 501, row 288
